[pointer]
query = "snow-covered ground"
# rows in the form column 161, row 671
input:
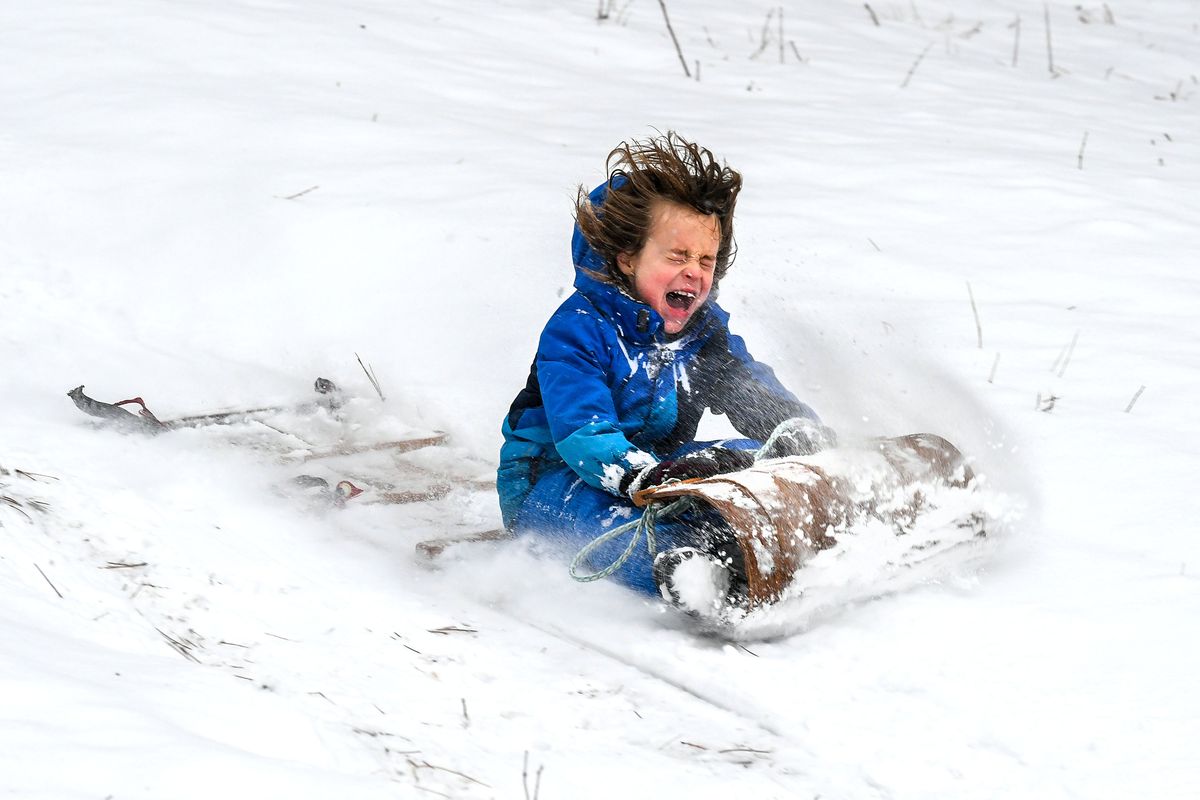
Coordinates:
column 210, row 204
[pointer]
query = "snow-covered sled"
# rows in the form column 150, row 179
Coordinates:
column 786, row 511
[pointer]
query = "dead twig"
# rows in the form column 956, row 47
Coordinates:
column 666, row 18
column 426, row 765
column 1049, row 43
column 537, row 781
column 36, row 476
column 179, row 646
column 122, row 565
column 449, row 629
column 1070, row 351
column 1016, row 26
column 1082, row 145
column 975, row 311
column 14, row 504
column 781, row 37
column 300, row 193
column 370, row 371
column 996, row 363
column 871, row 11
column 764, row 37
column 1136, row 395
column 52, row 586
column 912, row 70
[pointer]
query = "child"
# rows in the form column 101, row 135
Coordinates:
column 626, row 366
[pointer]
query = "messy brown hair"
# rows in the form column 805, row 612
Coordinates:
column 666, row 168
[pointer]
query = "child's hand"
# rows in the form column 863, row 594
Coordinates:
column 701, row 464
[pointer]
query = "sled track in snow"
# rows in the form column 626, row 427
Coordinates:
column 653, row 673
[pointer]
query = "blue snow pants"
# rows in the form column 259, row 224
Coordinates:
column 567, row 512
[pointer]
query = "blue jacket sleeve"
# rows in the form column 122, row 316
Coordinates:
column 753, row 398
column 572, row 372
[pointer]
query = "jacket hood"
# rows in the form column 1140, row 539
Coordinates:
column 637, row 321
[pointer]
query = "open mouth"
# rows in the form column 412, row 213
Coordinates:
column 680, row 301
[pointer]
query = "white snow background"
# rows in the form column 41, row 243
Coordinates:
column 210, row 204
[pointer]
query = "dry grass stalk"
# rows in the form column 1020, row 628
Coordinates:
column 765, row 37
column 917, row 63
column 1049, row 43
column 1070, row 351
column 679, row 50
column 537, row 784
column 1136, row 395
column 781, row 37
column 301, row 193
column 975, row 311
column 370, row 371
column 1016, row 26
column 52, row 586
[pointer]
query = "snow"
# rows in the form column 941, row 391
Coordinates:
column 209, row 205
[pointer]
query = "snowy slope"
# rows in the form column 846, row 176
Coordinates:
column 210, row 204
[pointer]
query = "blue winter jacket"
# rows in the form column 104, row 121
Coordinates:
column 610, row 392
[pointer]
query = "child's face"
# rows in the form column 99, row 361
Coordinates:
column 673, row 272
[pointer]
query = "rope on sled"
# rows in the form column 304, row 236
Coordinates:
column 643, row 524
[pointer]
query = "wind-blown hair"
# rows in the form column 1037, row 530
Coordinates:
column 666, row 168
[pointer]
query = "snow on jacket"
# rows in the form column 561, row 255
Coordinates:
column 610, row 392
